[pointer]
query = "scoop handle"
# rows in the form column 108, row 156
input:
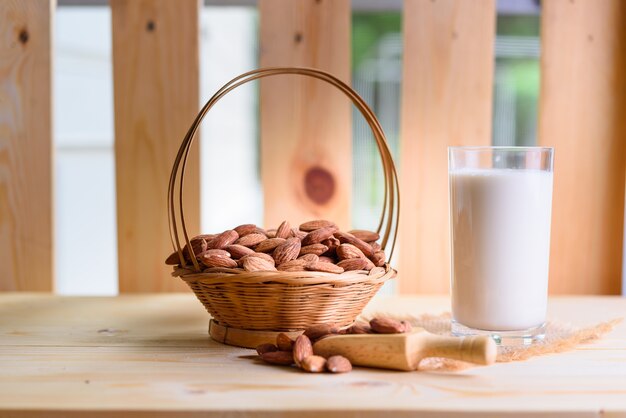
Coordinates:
column 475, row 349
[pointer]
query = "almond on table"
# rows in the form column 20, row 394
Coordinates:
column 382, row 325
column 338, row 364
column 283, row 358
column 302, row 349
column 266, row 348
column 283, row 342
column 314, row 364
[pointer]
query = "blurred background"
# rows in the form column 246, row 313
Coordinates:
column 96, row 95
column 84, row 123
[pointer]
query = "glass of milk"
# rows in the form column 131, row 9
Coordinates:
column 500, row 209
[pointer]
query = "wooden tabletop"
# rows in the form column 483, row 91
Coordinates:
column 150, row 356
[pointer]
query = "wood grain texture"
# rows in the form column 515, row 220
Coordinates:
column 582, row 109
column 150, row 356
column 26, row 228
column 156, row 82
column 446, row 100
column 306, row 142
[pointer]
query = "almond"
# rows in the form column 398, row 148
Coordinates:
column 407, row 326
column 268, row 245
column 338, row 364
column 284, row 230
column 309, row 258
column 317, row 236
column 245, row 229
column 317, row 224
column 293, row 265
column 217, row 260
column 266, row 348
column 384, row 325
column 237, row 251
column 359, row 329
column 325, row 259
column 347, row 251
column 317, row 331
column 317, row 249
column 251, row 263
column 222, row 240
column 302, row 349
column 346, row 238
column 215, row 251
column 270, row 233
column 378, row 258
column 251, row 239
column 313, row 364
column 206, row 237
column 283, row 342
column 365, row 235
column 332, row 243
column 324, row 267
column 264, row 256
column 199, row 245
column 351, row 264
column 297, row 234
column 287, row 251
column 368, row 264
column 283, row 358
column 375, row 246
column 172, row 259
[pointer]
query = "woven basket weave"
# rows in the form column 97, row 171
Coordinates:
column 277, row 300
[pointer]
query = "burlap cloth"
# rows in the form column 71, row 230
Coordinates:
column 559, row 337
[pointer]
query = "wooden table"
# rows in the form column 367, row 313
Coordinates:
column 149, row 356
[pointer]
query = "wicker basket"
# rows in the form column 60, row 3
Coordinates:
column 283, row 301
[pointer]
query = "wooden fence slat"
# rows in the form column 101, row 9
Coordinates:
column 306, row 143
column 582, row 112
column 446, row 100
column 26, row 243
column 156, row 83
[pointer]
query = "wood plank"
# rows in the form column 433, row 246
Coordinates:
column 446, row 100
column 156, row 82
column 26, row 225
column 149, row 355
column 306, row 142
column 582, row 107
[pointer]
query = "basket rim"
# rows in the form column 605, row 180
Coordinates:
column 225, row 275
column 390, row 216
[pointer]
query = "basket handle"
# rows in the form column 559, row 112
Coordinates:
column 391, row 204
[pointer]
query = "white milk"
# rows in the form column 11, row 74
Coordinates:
column 500, row 222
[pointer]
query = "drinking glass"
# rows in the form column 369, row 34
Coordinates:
column 500, row 211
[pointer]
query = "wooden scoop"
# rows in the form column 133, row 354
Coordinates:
column 404, row 351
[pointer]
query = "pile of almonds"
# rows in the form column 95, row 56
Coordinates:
column 313, row 246
column 287, row 352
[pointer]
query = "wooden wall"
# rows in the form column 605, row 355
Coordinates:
column 446, row 100
column 156, row 78
column 306, row 152
column 26, row 243
column 306, row 147
column 582, row 113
